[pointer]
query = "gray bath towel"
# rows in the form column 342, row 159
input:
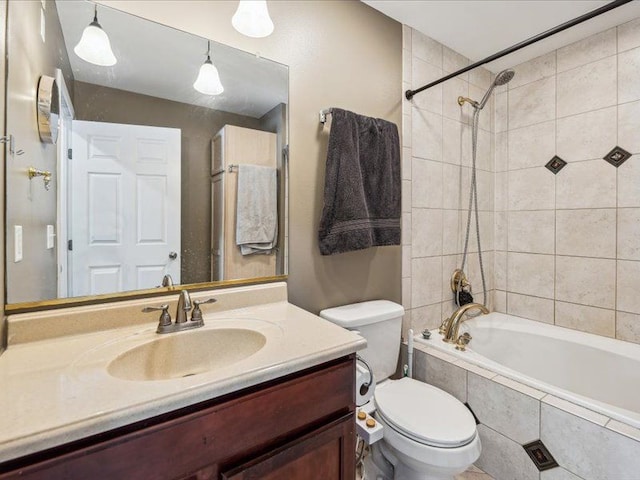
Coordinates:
column 362, row 188
column 256, row 209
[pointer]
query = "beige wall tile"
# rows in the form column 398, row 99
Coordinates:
column 532, row 231
column 533, row 308
column 533, row 70
column 586, row 319
column 426, row 228
column 599, row 454
column 624, row 429
column 575, row 410
column 531, row 189
column 426, row 48
column 530, row 274
column 451, row 184
column 628, row 181
column 426, row 135
column 500, row 299
column 453, row 61
column 628, row 74
column 406, row 66
column 532, row 103
column 500, row 239
column 587, row 281
column 628, row 275
column 406, row 163
column 422, row 73
column 406, row 130
column 512, row 413
column 428, row 317
column 501, row 152
column 501, row 112
column 588, row 233
column 503, row 458
column 587, row 136
column 590, row 49
column 588, row 87
column 451, row 141
column 406, row 294
column 558, row 473
column 629, row 233
column 426, row 285
column 406, row 196
column 590, row 184
column 628, row 124
column 500, row 270
column 406, row 261
column 406, row 37
column 452, row 232
column 442, row 374
column 451, row 90
column 532, row 146
column 629, row 35
column 406, row 228
column 480, row 77
column 501, row 191
column 628, row 327
column 426, row 188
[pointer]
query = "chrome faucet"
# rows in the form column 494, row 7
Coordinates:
column 450, row 327
column 184, row 307
column 182, row 313
column 167, row 281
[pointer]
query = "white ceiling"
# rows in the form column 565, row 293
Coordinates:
column 163, row 62
column 480, row 28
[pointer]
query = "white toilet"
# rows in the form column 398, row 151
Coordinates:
column 428, row 434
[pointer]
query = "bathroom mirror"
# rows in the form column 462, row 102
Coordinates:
column 145, row 168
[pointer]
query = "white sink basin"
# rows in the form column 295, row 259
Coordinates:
column 177, row 355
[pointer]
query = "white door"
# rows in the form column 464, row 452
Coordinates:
column 126, row 207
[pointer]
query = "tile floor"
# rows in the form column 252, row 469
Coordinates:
column 474, row 473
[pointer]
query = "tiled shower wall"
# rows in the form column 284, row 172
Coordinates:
column 565, row 247
column 436, row 176
column 568, row 245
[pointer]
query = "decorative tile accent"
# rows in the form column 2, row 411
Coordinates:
column 540, row 455
column 555, row 164
column 617, row 156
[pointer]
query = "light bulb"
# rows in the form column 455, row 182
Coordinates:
column 252, row 19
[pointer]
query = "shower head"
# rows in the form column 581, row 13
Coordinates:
column 502, row 78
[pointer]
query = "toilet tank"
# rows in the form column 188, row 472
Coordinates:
column 380, row 323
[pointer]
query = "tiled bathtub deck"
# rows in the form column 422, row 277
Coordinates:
column 587, row 445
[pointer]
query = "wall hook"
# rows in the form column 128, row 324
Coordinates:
column 45, row 174
column 10, row 140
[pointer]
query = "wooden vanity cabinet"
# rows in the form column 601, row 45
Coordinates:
column 298, row 427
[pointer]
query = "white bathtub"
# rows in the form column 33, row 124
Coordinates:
column 599, row 373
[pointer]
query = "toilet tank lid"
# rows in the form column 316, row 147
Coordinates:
column 363, row 313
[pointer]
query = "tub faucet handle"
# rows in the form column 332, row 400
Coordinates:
column 463, row 341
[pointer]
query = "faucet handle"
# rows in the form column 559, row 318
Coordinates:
column 463, row 341
column 196, row 315
column 165, row 316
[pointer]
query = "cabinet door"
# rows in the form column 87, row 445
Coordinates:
column 327, row 453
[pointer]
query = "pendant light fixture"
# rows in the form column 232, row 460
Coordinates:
column 252, row 19
column 94, row 46
column 208, row 81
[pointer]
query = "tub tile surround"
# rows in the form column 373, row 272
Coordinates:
column 512, row 414
column 437, row 174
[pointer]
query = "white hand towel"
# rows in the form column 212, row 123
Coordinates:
column 257, row 209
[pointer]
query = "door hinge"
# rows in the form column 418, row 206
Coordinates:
column 70, row 245
column 70, row 153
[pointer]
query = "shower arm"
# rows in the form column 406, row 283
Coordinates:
column 525, row 43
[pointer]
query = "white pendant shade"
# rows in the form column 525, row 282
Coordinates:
column 208, row 81
column 252, row 19
column 94, row 46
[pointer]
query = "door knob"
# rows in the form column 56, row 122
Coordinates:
column 173, row 255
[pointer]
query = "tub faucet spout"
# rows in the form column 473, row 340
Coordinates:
column 451, row 327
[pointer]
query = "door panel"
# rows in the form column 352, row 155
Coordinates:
column 125, row 218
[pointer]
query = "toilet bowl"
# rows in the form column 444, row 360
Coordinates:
column 428, row 433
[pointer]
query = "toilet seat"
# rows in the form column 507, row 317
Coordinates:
column 425, row 414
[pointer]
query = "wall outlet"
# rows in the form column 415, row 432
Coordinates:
column 51, row 235
column 17, row 242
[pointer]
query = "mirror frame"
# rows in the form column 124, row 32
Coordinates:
column 59, row 303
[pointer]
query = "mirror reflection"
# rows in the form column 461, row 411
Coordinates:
column 170, row 156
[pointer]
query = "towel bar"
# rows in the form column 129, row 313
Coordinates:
column 323, row 115
column 222, row 170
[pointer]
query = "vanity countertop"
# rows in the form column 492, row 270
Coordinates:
column 57, row 390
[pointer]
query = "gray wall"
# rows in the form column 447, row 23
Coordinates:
column 31, row 206
column 199, row 125
column 342, row 54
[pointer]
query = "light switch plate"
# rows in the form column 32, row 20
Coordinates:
column 17, row 242
column 51, row 235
